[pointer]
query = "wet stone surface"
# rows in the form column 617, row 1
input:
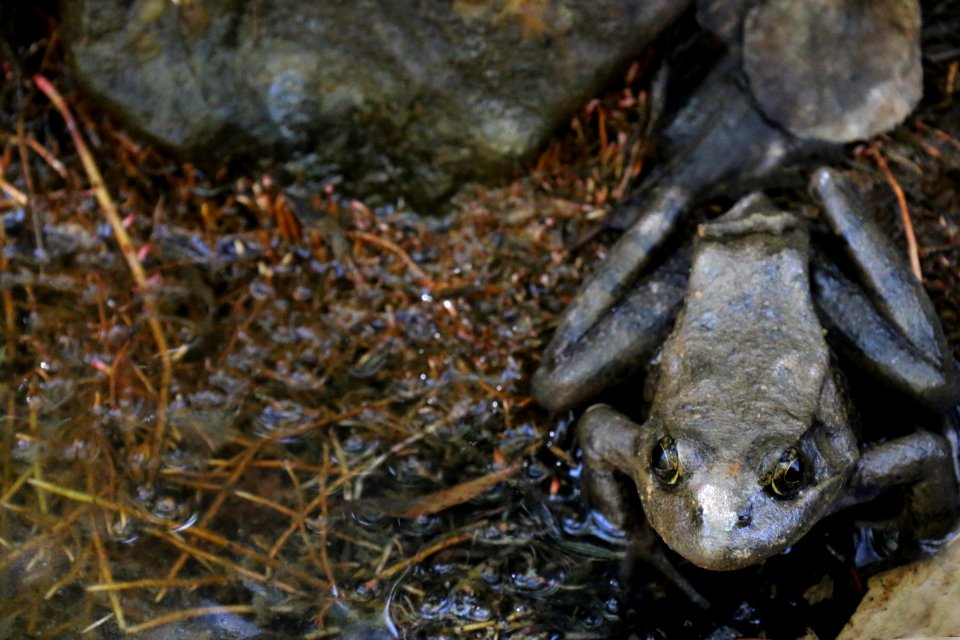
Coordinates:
column 408, row 98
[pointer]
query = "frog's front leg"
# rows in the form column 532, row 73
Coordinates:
column 618, row 316
column 922, row 463
column 609, row 441
column 890, row 322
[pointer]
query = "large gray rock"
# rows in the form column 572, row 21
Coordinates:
column 403, row 96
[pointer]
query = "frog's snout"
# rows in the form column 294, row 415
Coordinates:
column 721, row 511
column 720, row 529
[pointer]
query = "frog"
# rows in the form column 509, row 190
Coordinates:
column 749, row 437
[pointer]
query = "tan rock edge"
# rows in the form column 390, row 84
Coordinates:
column 919, row 600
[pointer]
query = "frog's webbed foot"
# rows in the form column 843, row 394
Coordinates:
column 617, row 318
column 609, row 443
column 890, row 323
column 923, row 463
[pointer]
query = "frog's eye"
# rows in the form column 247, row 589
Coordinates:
column 788, row 474
column 665, row 461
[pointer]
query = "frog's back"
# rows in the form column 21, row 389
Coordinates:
column 747, row 354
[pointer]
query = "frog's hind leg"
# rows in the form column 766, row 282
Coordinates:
column 617, row 317
column 889, row 322
column 622, row 266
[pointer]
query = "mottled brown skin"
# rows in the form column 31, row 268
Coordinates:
column 746, row 375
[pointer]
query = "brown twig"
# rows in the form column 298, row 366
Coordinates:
column 33, row 421
column 416, row 559
column 65, row 523
column 383, row 243
column 458, row 494
column 212, row 558
column 130, row 255
column 324, row 513
column 106, row 575
column 187, row 614
column 148, row 583
column 19, row 197
column 196, row 531
column 297, row 519
column 912, row 251
column 240, row 550
column 211, row 513
column 47, row 157
column 10, row 344
column 28, row 180
column 78, row 565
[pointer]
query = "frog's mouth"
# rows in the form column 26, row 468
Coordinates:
column 720, row 550
column 726, row 552
column 720, row 528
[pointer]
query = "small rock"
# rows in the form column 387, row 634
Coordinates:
column 916, row 600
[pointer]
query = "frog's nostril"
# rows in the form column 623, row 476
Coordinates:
column 696, row 516
column 745, row 517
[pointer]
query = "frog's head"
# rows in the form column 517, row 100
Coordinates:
column 727, row 495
